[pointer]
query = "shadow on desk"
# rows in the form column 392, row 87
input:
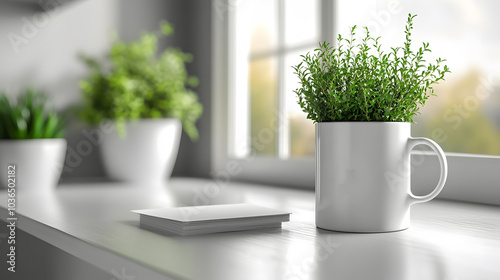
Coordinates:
column 36, row 259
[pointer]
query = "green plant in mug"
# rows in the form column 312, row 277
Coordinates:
column 140, row 85
column 361, row 82
column 28, row 118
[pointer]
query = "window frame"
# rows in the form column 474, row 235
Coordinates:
column 239, row 125
column 474, row 178
column 261, row 169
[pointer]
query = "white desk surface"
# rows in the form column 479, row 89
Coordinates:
column 92, row 221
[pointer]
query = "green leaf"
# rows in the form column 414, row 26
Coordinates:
column 166, row 28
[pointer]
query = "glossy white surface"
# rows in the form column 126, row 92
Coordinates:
column 446, row 240
column 147, row 153
column 363, row 175
column 39, row 162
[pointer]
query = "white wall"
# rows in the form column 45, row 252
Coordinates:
column 39, row 47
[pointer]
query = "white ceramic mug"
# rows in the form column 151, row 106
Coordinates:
column 363, row 175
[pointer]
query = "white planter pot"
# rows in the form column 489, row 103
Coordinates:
column 363, row 176
column 146, row 154
column 39, row 163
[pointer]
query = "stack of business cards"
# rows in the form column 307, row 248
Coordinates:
column 211, row 218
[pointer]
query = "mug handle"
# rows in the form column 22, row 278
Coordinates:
column 443, row 163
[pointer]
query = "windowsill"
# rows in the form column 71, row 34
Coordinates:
column 471, row 178
column 92, row 221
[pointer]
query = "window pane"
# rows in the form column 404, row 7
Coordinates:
column 301, row 22
column 256, row 29
column 253, row 30
column 464, row 117
column 263, row 86
column 261, row 80
column 301, row 130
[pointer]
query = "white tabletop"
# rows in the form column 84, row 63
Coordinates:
column 92, row 221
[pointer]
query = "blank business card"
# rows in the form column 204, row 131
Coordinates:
column 211, row 218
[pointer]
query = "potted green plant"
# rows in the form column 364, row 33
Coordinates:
column 31, row 145
column 149, row 100
column 363, row 101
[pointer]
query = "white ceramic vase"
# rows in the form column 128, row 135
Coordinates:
column 38, row 163
column 363, row 175
column 147, row 153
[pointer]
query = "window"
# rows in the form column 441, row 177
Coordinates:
column 465, row 117
column 258, row 123
column 267, row 37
